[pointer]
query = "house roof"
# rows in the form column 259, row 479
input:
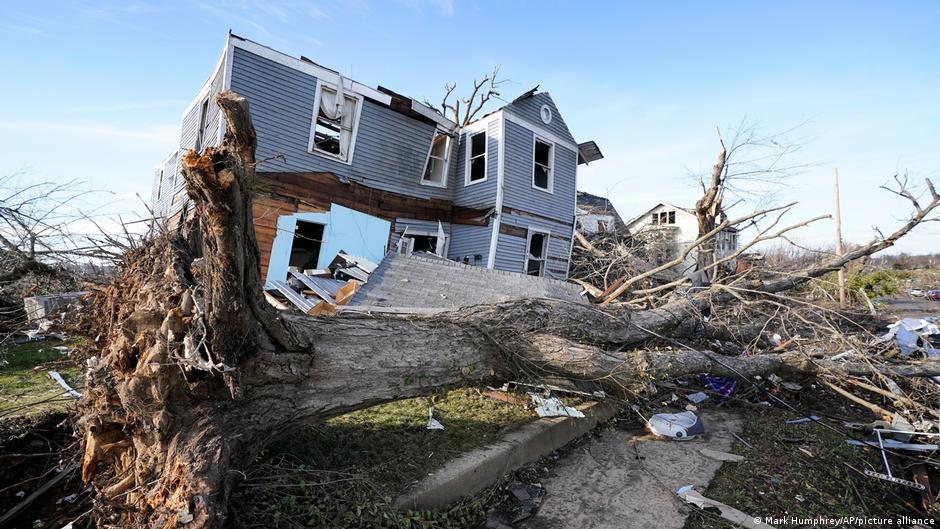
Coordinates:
column 424, row 282
column 597, row 205
column 397, row 102
column 650, row 210
column 690, row 211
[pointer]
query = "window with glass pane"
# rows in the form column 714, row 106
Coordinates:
column 435, row 172
column 542, row 175
column 477, row 169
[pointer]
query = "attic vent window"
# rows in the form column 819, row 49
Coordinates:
column 542, row 166
column 476, row 158
column 334, row 125
column 435, row 170
column 546, row 114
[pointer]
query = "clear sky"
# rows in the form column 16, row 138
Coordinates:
column 94, row 90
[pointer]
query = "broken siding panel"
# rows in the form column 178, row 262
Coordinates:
column 529, row 109
column 511, row 251
column 481, row 194
column 469, row 241
column 390, row 149
column 518, row 192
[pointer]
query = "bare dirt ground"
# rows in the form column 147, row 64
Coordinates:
column 628, row 478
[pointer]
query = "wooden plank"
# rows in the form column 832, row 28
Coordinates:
column 312, row 285
column 298, row 300
column 515, row 231
column 344, row 294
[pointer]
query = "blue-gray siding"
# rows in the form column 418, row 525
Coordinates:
column 390, row 148
column 470, row 241
column 481, row 194
column 518, row 192
column 529, row 109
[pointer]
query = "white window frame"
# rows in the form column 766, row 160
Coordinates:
column 427, row 162
column 551, row 164
column 311, row 146
column 528, row 242
column 486, row 158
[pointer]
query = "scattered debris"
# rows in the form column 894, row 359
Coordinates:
column 742, row 441
column 433, row 424
column 915, row 335
column 502, row 396
column 803, row 419
column 721, row 456
column 682, row 426
column 54, row 375
column 728, row 513
column 524, row 502
column 552, row 407
column 724, row 386
column 697, row 398
column 53, row 306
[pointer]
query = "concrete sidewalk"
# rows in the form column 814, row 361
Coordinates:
column 604, row 485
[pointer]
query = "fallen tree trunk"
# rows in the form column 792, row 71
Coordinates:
column 198, row 373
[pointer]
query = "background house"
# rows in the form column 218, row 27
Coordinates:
column 345, row 166
column 679, row 227
column 594, row 214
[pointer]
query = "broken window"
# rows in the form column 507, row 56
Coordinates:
column 672, row 217
column 418, row 243
column 542, row 170
column 305, row 249
column 435, row 171
column 476, row 158
column 536, row 249
column 333, row 128
column 159, row 183
column 203, row 119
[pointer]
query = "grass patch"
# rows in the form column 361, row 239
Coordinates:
column 779, row 479
column 26, row 392
column 347, row 471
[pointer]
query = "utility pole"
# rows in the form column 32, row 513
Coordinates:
column 839, row 248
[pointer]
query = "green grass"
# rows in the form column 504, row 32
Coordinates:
column 24, row 391
column 778, row 479
column 347, row 471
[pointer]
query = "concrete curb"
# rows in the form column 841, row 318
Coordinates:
column 474, row 471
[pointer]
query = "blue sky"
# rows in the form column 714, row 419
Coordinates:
column 94, row 90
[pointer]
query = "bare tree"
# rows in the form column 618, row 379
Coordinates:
column 463, row 111
column 197, row 373
column 751, row 167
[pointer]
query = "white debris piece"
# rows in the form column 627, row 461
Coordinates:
column 552, row 407
column 433, row 424
column 915, row 335
column 697, row 398
column 54, row 375
column 728, row 513
column 681, row 426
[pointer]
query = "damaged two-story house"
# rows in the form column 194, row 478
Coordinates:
column 342, row 166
